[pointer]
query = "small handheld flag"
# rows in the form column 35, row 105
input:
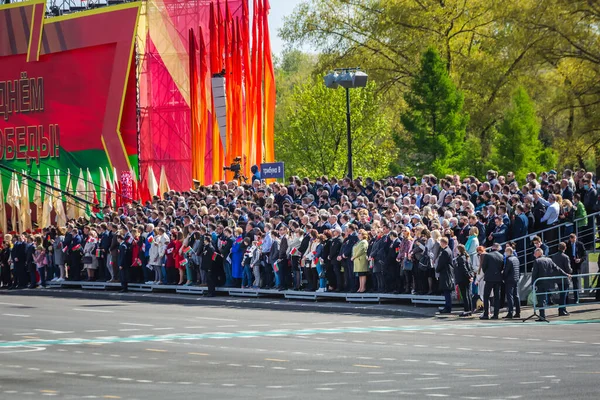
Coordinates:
column 276, row 267
column 77, row 247
column 184, row 263
column 186, row 250
column 294, row 251
column 151, row 239
column 214, row 256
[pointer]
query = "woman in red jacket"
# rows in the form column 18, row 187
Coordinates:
column 179, row 257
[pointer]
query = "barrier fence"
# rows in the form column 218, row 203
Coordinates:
column 540, row 299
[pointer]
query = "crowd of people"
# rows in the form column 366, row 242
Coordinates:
column 397, row 235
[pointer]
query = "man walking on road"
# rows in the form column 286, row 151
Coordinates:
column 544, row 267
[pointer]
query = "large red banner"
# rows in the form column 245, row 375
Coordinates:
column 67, row 89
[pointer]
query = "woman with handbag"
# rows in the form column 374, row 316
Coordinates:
column 89, row 259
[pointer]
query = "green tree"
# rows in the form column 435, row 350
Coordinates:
column 434, row 118
column 312, row 141
column 519, row 148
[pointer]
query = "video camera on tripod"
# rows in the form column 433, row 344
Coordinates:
column 236, row 168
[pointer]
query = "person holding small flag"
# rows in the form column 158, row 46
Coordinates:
column 75, row 250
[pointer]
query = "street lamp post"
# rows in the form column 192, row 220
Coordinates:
column 347, row 78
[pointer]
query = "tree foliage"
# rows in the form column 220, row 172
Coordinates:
column 518, row 145
column 312, row 141
column 550, row 47
column 434, row 118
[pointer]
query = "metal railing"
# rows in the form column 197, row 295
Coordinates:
column 552, row 236
column 564, row 290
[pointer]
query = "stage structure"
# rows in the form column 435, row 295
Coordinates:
column 98, row 100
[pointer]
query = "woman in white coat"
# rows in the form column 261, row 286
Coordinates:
column 157, row 254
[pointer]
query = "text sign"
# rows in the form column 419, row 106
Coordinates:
column 272, row 170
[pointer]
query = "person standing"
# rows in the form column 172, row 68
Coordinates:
column 446, row 274
column 544, row 267
column 123, row 262
column 492, row 269
column 208, row 258
column 564, row 263
column 577, row 255
column 336, row 264
column 463, row 276
column 359, row 260
column 18, row 255
column 511, row 280
column 113, row 261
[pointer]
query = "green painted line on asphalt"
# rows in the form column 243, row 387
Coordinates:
column 276, row 333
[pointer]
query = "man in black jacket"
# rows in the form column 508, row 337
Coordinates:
column 563, row 262
column 336, row 264
column 346, row 255
column 511, row 281
column 208, row 258
column 18, row 255
column 123, row 262
column 577, row 254
column 544, row 267
column 391, row 268
column 446, row 275
column 492, row 265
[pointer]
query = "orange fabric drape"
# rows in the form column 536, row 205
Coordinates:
column 195, row 111
column 249, row 140
column 257, row 68
column 270, row 92
column 216, row 66
column 205, row 107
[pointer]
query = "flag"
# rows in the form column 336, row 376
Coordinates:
column 205, row 107
column 13, row 198
column 117, row 188
column 276, row 266
column 150, row 239
column 109, row 191
column 152, row 184
column 163, row 186
column 25, row 213
column 294, row 251
column 71, row 213
column 47, row 206
column 103, row 187
column 37, row 200
column 61, row 218
column 184, row 262
column 135, row 189
column 270, row 95
column 214, row 256
column 186, row 250
column 144, row 192
column 80, row 192
column 194, row 104
column 93, row 196
column 3, row 221
column 76, row 247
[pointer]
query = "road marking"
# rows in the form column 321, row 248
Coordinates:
column 12, row 304
column 437, row 388
column 217, row 319
column 486, row 385
column 576, row 342
column 48, row 391
column 530, row 383
column 133, row 324
column 276, row 360
column 157, row 350
column 365, row 366
column 129, row 330
column 198, row 354
column 108, row 396
column 17, row 315
column 92, row 310
column 96, row 330
column 583, row 355
column 143, row 381
column 471, row 370
column 432, row 378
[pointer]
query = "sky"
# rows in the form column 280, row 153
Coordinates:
column 279, row 9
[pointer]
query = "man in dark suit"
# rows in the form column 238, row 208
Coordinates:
column 30, row 263
column 577, row 254
column 500, row 233
column 563, row 262
column 75, row 251
column 346, row 254
column 519, row 229
column 566, row 191
column 544, row 267
column 334, row 252
column 511, row 281
column 446, row 275
column 492, row 268
column 18, row 255
column 208, row 258
column 124, row 262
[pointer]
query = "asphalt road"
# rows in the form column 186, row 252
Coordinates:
column 90, row 349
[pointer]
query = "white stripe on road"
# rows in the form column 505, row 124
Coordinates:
column 132, row 324
column 92, row 310
column 17, row 315
column 217, row 319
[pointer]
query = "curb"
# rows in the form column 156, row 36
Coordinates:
column 277, row 305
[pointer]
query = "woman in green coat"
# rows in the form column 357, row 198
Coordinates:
column 581, row 219
column 359, row 257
